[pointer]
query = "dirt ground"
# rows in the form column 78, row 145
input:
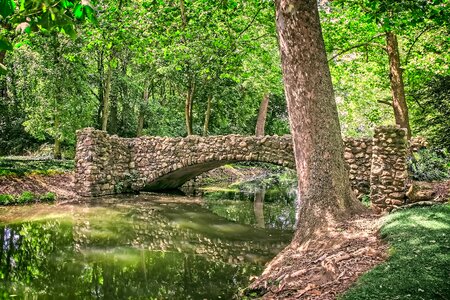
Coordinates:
column 61, row 184
column 327, row 266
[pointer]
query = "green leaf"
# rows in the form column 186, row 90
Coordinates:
column 66, row 4
column 5, row 44
column 3, row 69
column 90, row 14
column 68, row 29
column 78, row 11
column 7, row 8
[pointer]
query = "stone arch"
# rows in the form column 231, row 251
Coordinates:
column 109, row 164
column 175, row 178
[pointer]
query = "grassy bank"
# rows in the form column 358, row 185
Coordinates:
column 419, row 262
column 23, row 166
column 26, row 198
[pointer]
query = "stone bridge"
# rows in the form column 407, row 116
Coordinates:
column 108, row 165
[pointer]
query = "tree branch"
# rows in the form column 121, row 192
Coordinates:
column 368, row 43
column 249, row 24
column 386, row 102
column 414, row 43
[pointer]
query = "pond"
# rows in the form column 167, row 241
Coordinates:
column 146, row 246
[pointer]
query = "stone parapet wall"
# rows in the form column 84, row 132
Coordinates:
column 389, row 169
column 109, row 164
column 101, row 162
column 358, row 155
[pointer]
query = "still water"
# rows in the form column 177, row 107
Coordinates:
column 147, row 246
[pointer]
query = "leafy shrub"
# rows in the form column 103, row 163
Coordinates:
column 124, row 185
column 4, row 172
column 25, row 197
column 429, row 165
column 20, row 166
column 6, row 199
column 431, row 117
column 365, row 200
column 47, row 197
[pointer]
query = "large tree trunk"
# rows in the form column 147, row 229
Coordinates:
column 325, row 197
column 207, row 116
column 397, row 85
column 324, row 189
column 188, row 108
column 262, row 114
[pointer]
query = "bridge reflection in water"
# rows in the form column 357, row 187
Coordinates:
column 163, row 247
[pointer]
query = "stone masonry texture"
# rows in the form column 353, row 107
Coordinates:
column 108, row 165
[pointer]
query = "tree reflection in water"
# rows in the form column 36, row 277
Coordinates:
column 132, row 248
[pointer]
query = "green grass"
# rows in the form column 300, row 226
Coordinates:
column 419, row 262
column 26, row 197
column 22, row 166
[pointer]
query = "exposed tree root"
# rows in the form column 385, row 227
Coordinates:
column 326, row 267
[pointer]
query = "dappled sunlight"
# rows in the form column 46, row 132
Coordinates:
column 417, row 267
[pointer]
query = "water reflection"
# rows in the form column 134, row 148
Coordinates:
column 257, row 205
column 131, row 248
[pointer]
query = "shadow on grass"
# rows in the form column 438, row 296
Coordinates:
column 419, row 262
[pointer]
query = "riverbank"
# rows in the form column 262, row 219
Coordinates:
column 62, row 185
column 40, row 177
column 334, row 264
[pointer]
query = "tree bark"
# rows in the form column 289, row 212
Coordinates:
column 324, row 189
column 101, row 89
column 262, row 115
column 141, row 117
column 188, row 108
column 207, row 116
column 113, row 118
column 397, row 85
column 57, row 146
column 106, row 94
column 183, row 14
column 3, row 84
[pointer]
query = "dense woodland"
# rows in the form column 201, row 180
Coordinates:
column 317, row 69
column 175, row 68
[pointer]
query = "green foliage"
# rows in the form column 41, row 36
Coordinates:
column 6, row 199
column 124, row 185
column 7, row 7
column 366, row 200
column 227, row 51
column 429, row 165
column 26, row 197
column 354, row 33
column 432, row 110
column 20, row 166
column 419, row 258
column 47, row 197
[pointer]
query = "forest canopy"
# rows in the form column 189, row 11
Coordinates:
column 174, row 68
